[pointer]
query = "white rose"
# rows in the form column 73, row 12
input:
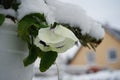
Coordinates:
column 60, row 39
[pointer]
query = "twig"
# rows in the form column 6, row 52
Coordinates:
column 58, row 72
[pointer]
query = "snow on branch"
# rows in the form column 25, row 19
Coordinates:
column 35, row 6
column 10, row 12
column 64, row 13
column 68, row 13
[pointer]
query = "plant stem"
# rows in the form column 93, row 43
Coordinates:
column 58, row 72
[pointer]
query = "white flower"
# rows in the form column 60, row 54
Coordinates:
column 60, row 39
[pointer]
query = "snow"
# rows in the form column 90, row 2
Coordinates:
column 74, row 15
column 10, row 12
column 61, row 12
column 34, row 6
column 102, row 75
column 70, row 14
column 58, row 11
column 96, row 30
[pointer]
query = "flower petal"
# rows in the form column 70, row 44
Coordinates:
column 61, row 30
column 41, row 46
column 48, row 36
column 60, row 39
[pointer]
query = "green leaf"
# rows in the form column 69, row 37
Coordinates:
column 24, row 25
column 31, row 23
column 7, row 3
column 33, row 53
column 15, row 6
column 2, row 19
column 47, row 59
column 38, row 16
column 86, row 40
column 28, row 28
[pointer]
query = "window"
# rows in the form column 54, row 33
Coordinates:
column 91, row 57
column 112, row 55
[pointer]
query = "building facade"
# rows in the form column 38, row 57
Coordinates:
column 107, row 54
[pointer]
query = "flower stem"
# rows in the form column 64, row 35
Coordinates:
column 58, row 72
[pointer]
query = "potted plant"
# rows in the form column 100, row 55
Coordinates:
column 41, row 28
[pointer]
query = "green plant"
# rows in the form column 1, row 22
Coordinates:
column 29, row 28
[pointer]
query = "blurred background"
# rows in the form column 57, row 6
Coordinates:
column 80, row 63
